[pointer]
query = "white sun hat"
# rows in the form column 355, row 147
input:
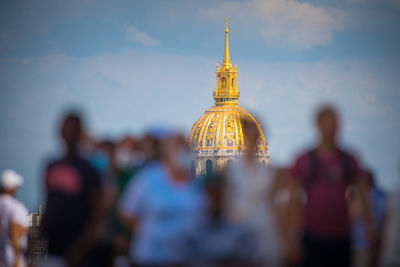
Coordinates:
column 10, row 179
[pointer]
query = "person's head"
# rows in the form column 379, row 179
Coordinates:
column 105, row 151
column 327, row 123
column 251, row 134
column 127, row 142
column 150, row 146
column 71, row 131
column 10, row 181
column 175, row 154
column 107, row 146
column 124, row 152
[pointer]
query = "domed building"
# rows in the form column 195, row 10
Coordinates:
column 217, row 136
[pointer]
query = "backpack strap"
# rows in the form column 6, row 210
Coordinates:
column 348, row 168
column 313, row 169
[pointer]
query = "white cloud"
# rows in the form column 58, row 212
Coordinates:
column 285, row 22
column 132, row 34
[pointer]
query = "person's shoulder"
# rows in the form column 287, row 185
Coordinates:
column 305, row 156
column 21, row 207
column 82, row 162
column 306, row 153
column 54, row 162
column 145, row 177
column 348, row 152
column 18, row 206
column 351, row 156
column 237, row 165
column 149, row 169
column 75, row 161
column 149, row 172
column 84, row 167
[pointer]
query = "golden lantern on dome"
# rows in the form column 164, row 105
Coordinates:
column 217, row 136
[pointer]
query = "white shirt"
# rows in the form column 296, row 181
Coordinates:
column 11, row 211
column 247, row 202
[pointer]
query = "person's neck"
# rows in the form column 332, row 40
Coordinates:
column 8, row 193
column 71, row 152
column 326, row 147
column 250, row 156
column 176, row 175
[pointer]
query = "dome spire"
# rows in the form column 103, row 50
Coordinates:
column 226, row 91
column 226, row 50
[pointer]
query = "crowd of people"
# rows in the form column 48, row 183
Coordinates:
column 137, row 202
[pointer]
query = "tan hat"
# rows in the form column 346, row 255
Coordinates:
column 10, row 179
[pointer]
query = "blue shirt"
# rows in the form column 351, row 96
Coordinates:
column 378, row 203
column 166, row 212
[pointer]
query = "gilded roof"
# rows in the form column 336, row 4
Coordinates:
column 220, row 128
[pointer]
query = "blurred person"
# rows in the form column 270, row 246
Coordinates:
column 161, row 205
column 367, row 252
column 251, row 188
column 126, row 167
column 150, row 145
column 218, row 241
column 75, row 204
column 13, row 221
column 104, row 159
column 391, row 242
column 131, row 156
column 128, row 159
column 87, row 145
column 325, row 174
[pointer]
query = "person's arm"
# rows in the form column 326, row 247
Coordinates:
column 294, row 222
column 92, row 229
column 128, row 220
column 276, row 202
column 366, row 207
column 131, row 202
column 17, row 231
column 380, row 236
column 285, row 201
column 295, row 179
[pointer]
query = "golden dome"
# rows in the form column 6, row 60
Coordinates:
column 219, row 128
column 217, row 136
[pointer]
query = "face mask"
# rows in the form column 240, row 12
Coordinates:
column 123, row 157
column 100, row 161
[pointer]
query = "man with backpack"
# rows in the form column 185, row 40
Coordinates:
column 326, row 175
column 76, row 204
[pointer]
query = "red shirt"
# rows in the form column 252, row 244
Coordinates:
column 326, row 208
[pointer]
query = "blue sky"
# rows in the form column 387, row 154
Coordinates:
column 132, row 64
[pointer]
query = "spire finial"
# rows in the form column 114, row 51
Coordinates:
column 226, row 50
column 226, row 92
